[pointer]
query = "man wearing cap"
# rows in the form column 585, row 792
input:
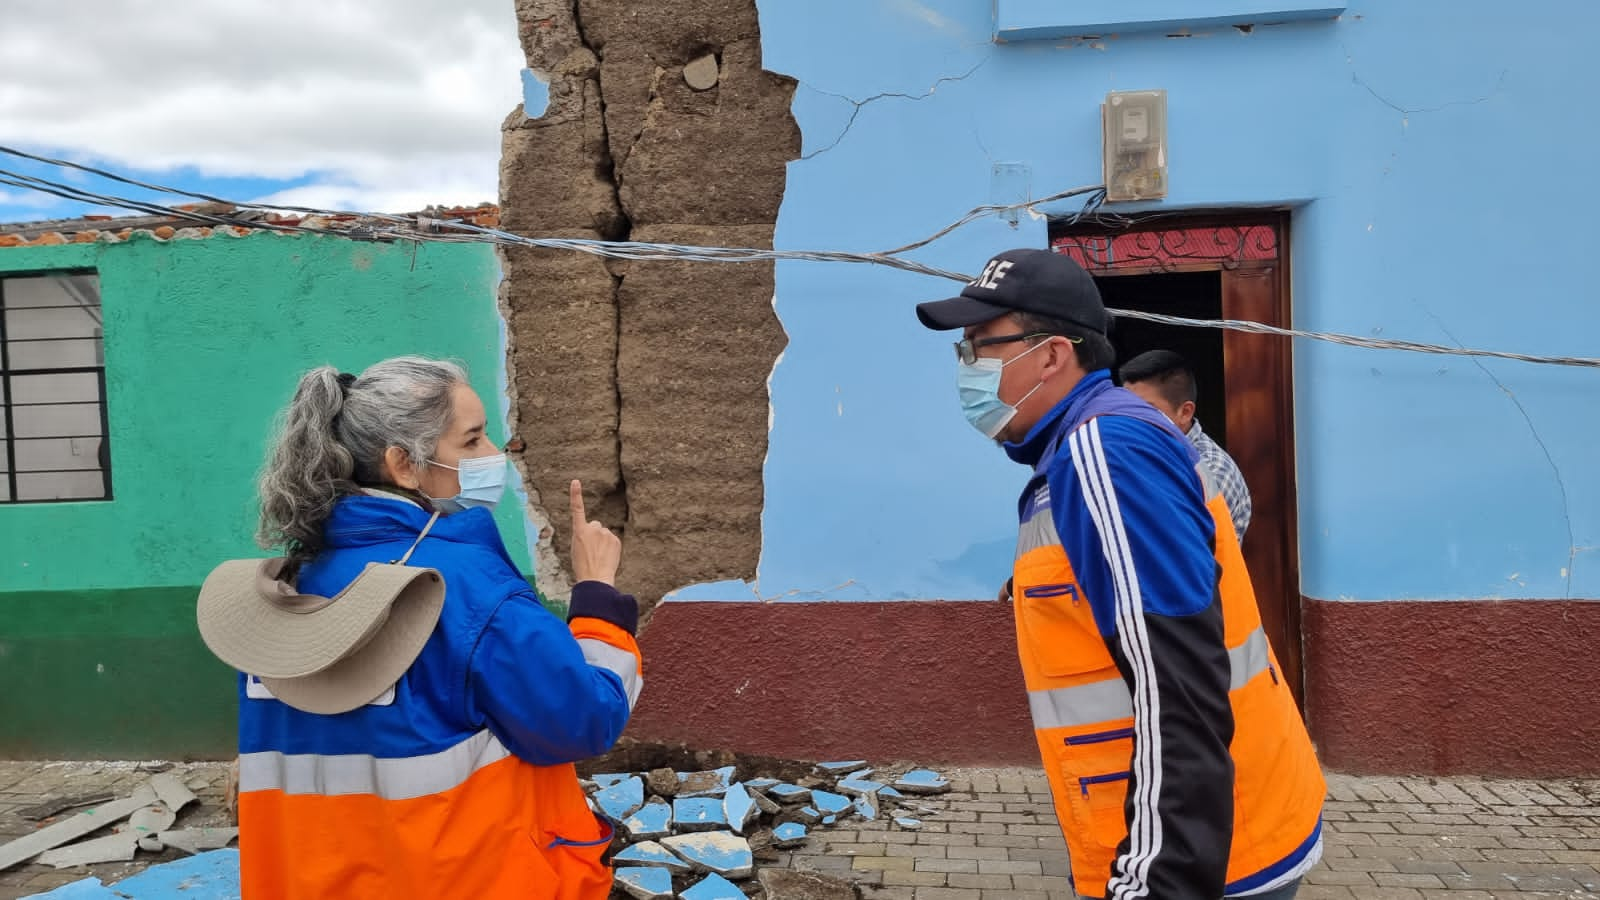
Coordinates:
column 1178, row 760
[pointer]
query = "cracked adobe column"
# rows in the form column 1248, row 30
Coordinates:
column 648, row 380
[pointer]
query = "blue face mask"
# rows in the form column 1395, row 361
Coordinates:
column 483, row 481
column 979, row 385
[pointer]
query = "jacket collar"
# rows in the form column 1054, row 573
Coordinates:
column 361, row 520
column 1064, row 416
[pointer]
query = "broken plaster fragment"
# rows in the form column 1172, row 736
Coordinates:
column 650, row 854
column 908, row 824
column 867, row 807
column 789, row 834
column 705, row 784
column 699, row 814
column 651, row 822
column 94, row 819
column 621, row 800
column 739, row 808
column 923, row 781
column 644, row 883
column 714, row 887
column 842, row 768
column 789, row 793
column 118, row 847
column 196, row 840
column 720, row 852
column 829, row 804
column 702, row 74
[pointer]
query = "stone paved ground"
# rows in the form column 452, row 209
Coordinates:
column 994, row 837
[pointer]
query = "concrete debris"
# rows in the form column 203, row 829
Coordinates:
column 785, row 884
column 841, row 768
column 789, row 793
column 57, row 805
column 761, row 784
column 705, row 784
column 118, row 847
column 702, row 74
column 151, row 843
column 908, row 824
column 621, row 800
column 739, row 808
column 644, row 883
column 151, row 820
column 808, row 815
column 719, row 852
column 767, row 807
column 789, row 834
column 90, row 820
column 662, row 783
column 828, row 803
column 923, row 781
column 650, row 853
column 198, row 840
column 652, row 822
column 867, row 807
column 714, row 887
column 698, row 814
column 858, row 786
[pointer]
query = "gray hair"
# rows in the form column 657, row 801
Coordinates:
column 333, row 437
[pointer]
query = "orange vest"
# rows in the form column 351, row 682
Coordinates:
column 1083, row 711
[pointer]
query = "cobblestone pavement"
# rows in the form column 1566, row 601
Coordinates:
column 994, row 837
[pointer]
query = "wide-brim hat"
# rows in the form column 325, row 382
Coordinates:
column 323, row 655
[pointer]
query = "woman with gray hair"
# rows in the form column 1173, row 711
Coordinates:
column 445, row 771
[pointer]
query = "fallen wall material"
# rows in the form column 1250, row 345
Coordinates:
column 647, row 380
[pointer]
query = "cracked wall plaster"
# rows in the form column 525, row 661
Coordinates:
column 647, row 380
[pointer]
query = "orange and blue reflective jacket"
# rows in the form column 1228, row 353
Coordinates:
column 1177, row 757
column 458, row 782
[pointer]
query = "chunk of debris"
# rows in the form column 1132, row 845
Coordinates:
column 788, row 884
column 662, row 783
column 713, row 887
column 767, row 807
column 644, row 883
column 199, row 840
column 739, row 809
column 720, row 852
column 119, row 847
column 761, row 784
column 152, row 843
column 789, row 834
column 705, row 784
column 828, row 803
column 908, row 824
column 652, row 822
column 152, row 819
column 157, row 767
column 858, row 786
column 621, row 800
column 702, row 74
column 842, row 768
column 867, row 807
column 789, row 793
column 808, row 815
column 698, row 814
column 923, row 781
column 56, row 805
column 610, row 779
column 90, row 820
column 650, row 853
column 172, row 792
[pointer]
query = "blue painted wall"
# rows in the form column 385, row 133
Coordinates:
column 1439, row 161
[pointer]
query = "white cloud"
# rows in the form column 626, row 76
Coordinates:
column 394, row 104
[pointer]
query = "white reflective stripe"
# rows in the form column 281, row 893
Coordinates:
column 1039, row 531
column 602, row 655
column 1132, row 870
column 1248, row 660
column 401, row 778
column 1084, row 704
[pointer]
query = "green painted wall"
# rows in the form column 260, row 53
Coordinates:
column 204, row 341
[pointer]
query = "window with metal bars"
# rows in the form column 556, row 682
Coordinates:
column 53, row 387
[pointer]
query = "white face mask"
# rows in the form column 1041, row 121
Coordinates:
column 483, row 481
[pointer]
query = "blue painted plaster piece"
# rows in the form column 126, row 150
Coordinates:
column 788, row 834
column 762, row 784
column 721, row 852
column 644, row 882
column 890, row 792
column 861, row 786
column 204, row 876
column 843, row 767
column 789, row 793
column 650, row 853
column 738, row 809
column 829, row 820
column 867, row 806
column 810, row 815
column 535, row 94
column 923, row 781
column 621, row 800
column 698, row 813
column 86, row 889
column 828, row 803
column 713, row 887
column 610, row 779
column 705, row 784
column 652, row 821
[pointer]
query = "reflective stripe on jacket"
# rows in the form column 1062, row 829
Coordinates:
column 458, row 783
column 1178, row 759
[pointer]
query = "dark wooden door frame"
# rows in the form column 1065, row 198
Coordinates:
column 1250, row 251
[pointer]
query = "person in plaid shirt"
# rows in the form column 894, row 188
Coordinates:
column 1164, row 380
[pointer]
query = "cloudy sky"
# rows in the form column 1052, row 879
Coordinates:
column 386, row 105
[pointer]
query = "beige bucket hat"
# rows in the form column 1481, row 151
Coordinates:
column 320, row 654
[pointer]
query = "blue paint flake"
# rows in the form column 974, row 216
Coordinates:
column 621, row 800
column 645, row 881
column 720, row 852
column 789, row 834
column 789, row 793
column 830, row 803
column 738, row 809
column 698, row 813
column 650, row 853
column 713, row 887
column 842, row 768
column 653, row 820
column 923, row 781
column 535, row 94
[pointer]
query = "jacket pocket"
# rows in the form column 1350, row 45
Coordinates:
column 1096, row 767
column 579, row 864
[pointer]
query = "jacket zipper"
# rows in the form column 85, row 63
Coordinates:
column 1083, row 783
column 1099, row 737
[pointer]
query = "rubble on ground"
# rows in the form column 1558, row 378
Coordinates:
column 702, row 835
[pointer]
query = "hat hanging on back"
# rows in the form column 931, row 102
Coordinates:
column 1035, row 281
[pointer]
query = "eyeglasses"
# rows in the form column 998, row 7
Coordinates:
column 967, row 349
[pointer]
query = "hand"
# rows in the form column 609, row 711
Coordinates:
column 596, row 552
column 1005, row 592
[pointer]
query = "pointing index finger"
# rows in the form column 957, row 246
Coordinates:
column 579, row 517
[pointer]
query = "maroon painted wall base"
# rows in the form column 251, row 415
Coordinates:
column 1507, row 687
column 929, row 682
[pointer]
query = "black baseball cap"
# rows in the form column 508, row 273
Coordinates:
column 1026, row 280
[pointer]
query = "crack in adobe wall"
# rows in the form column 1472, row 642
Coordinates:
column 647, row 380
